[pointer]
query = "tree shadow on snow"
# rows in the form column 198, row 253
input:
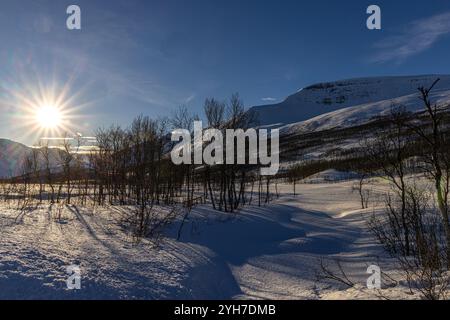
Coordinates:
column 276, row 229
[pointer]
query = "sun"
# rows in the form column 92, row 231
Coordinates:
column 46, row 108
column 49, row 116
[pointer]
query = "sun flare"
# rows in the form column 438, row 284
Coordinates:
column 48, row 117
column 46, row 109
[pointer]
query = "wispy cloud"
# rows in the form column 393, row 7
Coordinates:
column 190, row 98
column 415, row 38
column 268, row 99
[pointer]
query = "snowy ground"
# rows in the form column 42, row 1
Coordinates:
column 270, row 252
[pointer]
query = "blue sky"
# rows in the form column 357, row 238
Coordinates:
column 149, row 57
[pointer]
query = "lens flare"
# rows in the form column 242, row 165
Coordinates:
column 38, row 108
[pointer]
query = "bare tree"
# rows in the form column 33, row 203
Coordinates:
column 437, row 155
column 45, row 151
column 388, row 153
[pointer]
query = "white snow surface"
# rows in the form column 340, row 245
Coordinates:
column 269, row 252
column 364, row 113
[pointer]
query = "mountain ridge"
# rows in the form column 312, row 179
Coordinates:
column 325, row 97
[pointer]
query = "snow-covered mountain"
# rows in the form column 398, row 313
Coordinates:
column 369, row 96
column 11, row 155
column 360, row 114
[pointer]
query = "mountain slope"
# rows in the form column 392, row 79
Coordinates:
column 11, row 155
column 327, row 97
column 360, row 114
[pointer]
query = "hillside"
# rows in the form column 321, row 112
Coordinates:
column 360, row 114
column 369, row 96
column 11, row 155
